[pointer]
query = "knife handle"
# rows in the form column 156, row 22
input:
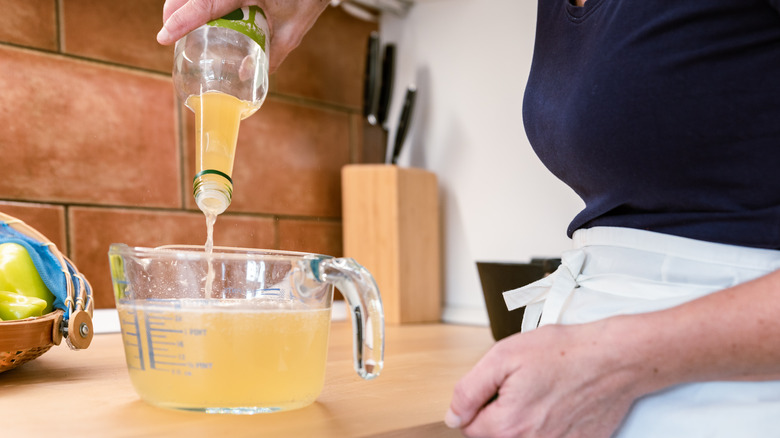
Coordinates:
column 403, row 123
column 370, row 80
column 386, row 87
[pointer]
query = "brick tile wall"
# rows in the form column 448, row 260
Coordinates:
column 95, row 149
column 116, row 31
column 31, row 23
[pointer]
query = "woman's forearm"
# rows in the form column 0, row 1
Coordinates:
column 733, row 334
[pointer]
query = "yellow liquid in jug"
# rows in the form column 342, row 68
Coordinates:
column 217, row 117
column 225, row 359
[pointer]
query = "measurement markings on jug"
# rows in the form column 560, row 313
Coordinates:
column 164, row 341
column 271, row 292
column 132, row 331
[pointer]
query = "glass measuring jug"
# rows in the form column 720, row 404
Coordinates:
column 256, row 342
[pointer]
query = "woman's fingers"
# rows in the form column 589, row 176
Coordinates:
column 288, row 20
column 476, row 389
column 184, row 16
column 170, row 7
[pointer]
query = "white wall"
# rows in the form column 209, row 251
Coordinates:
column 470, row 62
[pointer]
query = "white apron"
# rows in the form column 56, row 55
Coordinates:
column 616, row 271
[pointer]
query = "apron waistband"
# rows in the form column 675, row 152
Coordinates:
column 663, row 265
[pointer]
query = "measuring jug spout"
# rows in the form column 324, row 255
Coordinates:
column 365, row 304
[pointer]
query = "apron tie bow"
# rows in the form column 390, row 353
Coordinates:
column 545, row 299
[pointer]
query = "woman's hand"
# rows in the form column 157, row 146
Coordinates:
column 288, row 20
column 556, row 381
column 581, row 380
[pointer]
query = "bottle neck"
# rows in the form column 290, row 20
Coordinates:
column 213, row 191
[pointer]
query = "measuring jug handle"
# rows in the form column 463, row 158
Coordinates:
column 368, row 322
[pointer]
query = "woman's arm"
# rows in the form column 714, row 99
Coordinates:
column 733, row 334
column 288, row 20
column 580, row 380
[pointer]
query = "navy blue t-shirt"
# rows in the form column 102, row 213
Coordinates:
column 662, row 115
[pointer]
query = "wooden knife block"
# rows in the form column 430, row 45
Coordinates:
column 391, row 226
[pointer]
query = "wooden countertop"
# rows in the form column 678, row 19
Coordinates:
column 88, row 393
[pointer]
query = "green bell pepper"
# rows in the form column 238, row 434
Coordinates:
column 19, row 276
column 17, row 306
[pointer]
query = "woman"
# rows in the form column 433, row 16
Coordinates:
column 665, row 118
column 661, row 322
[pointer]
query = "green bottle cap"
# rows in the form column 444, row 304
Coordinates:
column 248, row 20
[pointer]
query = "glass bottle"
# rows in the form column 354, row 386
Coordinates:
column 220, row 72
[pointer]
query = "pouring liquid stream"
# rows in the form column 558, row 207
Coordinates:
column 211, row 219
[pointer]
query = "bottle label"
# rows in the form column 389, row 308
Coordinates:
column 249, row 20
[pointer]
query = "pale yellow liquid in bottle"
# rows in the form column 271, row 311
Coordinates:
column 217, row 117
column 212, row 359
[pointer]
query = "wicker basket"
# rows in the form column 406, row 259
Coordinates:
column 25, row 339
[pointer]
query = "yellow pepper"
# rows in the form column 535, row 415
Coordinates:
column 17, row 306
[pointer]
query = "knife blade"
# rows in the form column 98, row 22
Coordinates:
column 403, row 122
